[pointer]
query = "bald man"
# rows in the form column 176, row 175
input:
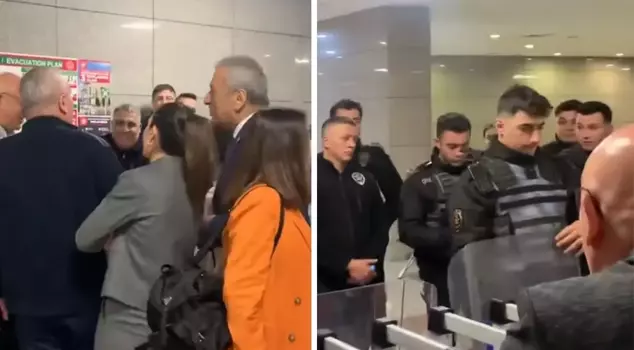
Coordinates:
column 52, row 177
column 10, row 109
column 597, row 311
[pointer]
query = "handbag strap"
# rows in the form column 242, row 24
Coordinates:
column 218, row 224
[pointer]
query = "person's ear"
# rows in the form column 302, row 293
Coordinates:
column 240, row 99
column 437, row 143
column 593, row 220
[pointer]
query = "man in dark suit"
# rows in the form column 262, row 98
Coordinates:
column 52, row 177
column 237, row 91
column 596, row 311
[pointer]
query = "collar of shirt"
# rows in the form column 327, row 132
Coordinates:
column 3, row 132
column 236, row 131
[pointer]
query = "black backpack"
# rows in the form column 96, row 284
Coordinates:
column 185, row 310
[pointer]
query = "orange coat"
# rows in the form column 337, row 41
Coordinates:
column 268, row 298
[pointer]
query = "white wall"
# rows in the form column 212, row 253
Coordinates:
column 176, row 42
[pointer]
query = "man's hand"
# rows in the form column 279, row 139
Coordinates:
column 361, row 271
column 569, row 239
column 4, row 312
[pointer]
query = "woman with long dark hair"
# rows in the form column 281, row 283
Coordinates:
column 267, row 239
column 151, row 218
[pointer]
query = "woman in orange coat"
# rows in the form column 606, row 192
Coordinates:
column 267, row 288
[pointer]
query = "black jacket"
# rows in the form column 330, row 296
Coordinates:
column 374, row 159
column 52, row 177
column 420, row 196
column 351, row 222
column 130, row 158
column 576, row 158
column 554, row 147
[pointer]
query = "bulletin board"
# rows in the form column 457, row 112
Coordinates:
column 89, row 82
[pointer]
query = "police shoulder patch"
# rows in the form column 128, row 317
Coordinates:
column 458, row 220
column 358, row 178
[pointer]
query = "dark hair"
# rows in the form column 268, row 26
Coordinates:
column 160, row 88
column 276, row 152
column 568, row 106
column 346, row 104
column 187, row 95
column 146, row 113
column 455, row 122
column 336, row 121
column 486, row 128
column 523, row 98
column 592, row 107
column 188, row 136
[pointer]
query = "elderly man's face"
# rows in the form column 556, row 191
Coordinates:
column 606, row 211
column 126, row 128
column 224, row 102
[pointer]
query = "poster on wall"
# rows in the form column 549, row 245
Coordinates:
column 94, row 97
column 19, row 64
column 89, row 82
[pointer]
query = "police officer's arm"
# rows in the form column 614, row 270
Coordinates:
column 389, row 181
column 380, row 223
column 331, row 258
column 470, row 213
column 416, row 203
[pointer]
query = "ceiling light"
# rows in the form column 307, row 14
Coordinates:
column 588, row 59
column 320, row 73
column 339, row 56
column 267, row 55
column 522, row 76
column 494, row 36
column 383, row 43
column 322, row 35
column 619, row 55
column 529, row 59
column 471, row 70
column 302, row 61
column 442, row 66
column 380, row 70
column 625, row 68
column 330, row 52
column 529, row 46
column 609, row 65
column 557, row 53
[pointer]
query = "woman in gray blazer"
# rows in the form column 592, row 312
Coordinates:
column 150, row 219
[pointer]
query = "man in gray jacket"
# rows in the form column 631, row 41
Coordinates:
column 597, row 311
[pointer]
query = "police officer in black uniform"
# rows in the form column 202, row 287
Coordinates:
column 352, row 230
column 373, row 158
column 423, row 222
column 593, row 124
column 566, row 114
column 513, row 188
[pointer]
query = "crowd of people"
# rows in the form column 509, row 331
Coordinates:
column 461, row 196
column 90, row 223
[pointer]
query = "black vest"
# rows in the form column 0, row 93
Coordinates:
column 526, row 201
column 444, row 184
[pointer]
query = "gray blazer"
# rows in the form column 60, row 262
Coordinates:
column 151, row 223
column 584, row 313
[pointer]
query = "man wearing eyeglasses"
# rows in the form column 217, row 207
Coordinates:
column 10, row 108
column 125, row 137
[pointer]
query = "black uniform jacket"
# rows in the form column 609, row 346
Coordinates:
column 374, row 159
column 477, row 210
column 556, row 146
column 351, row 222
column 421, row 196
